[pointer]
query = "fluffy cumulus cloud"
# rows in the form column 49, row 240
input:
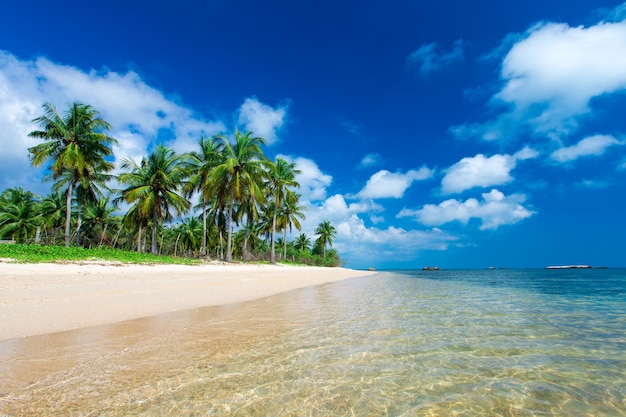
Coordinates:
column 590, row 146
column 262, row 120
column 482, row 171
column 478, row 171
column 429, row 58
column 137, row 112
column 493, row 211
column 313, row 182
column 359, row 243
column 385, row 184
column 551, row 74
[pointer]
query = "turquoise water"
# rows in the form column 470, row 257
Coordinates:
column 408, row 343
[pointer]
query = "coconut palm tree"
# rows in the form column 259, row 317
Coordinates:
column 154, row 185
column 20, row 216
column 289, row 216
column 99, row 217
column 239, row 176
column 302, row 243
column 53, row 213
column 189, row 234
column 282, row 176
column 201, row 165
column 74, row 144
column 326, row 232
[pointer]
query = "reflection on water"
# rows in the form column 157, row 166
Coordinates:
column 396, row 345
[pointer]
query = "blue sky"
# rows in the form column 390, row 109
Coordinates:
column 449, row 133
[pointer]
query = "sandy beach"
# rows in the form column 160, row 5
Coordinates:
column 38, row 299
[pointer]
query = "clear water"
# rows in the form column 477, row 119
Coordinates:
column 409, row 343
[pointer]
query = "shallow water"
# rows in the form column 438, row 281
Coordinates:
column 439, row 343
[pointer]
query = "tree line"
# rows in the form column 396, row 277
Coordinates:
column 246, row 202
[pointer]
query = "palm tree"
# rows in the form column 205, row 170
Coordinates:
column 154, row 186
column 302, row 243
column 288, row 215
column 189, row 233
column 53, row 213
column 89, row 189
column 20, row 215
column 98, row 218
column 282, row 175
column 201, row 164
column 238, row 176
column 326, row 232
column 75, row 146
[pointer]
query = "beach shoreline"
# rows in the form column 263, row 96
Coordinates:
column 38, row 299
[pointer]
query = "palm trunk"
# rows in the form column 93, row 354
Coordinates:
column 273, row 249
column 285, row 244
column 154, row 232
column 79, row 223
column 229, row 248
column 203, row 225
column 139, row 238
column 68, row 214
column 104, row 232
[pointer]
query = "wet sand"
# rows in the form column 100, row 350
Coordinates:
column 38, row 299
column 80, row 339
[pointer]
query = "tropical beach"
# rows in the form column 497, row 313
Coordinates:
column 410, row 343
column 45, row 298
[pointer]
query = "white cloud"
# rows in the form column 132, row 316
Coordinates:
column 371, row 159
column 313, row 182
column 493, row 211
column 429, row 59
column 361, row 244
column 478, row 171
column 551, row 73
column 137, row 112
column 262, row 120
column 562, row 68
column 590, row 146
column 525, row 153
column 385, row 184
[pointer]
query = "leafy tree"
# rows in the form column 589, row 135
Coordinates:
column 326, row 232
column 302, row 243
column 190, row 231
column 74, row 144
column 201, row 165
column 239, row 176
column 53, row 212
column 154, row 186
column 20, row 214
column 99, row 217
column 289, row 214
column 282, row 175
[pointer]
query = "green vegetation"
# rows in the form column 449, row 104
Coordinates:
column 41, row 253
column 245, row 201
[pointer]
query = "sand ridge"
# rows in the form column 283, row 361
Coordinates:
column 46, row 298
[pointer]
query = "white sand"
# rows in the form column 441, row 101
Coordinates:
column 46, row 298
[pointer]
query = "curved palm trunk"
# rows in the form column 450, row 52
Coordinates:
column 68, row 214
column 104, row 232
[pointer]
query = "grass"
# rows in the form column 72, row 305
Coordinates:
column 40, row 253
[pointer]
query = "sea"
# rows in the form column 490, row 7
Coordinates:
column 503, row 342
